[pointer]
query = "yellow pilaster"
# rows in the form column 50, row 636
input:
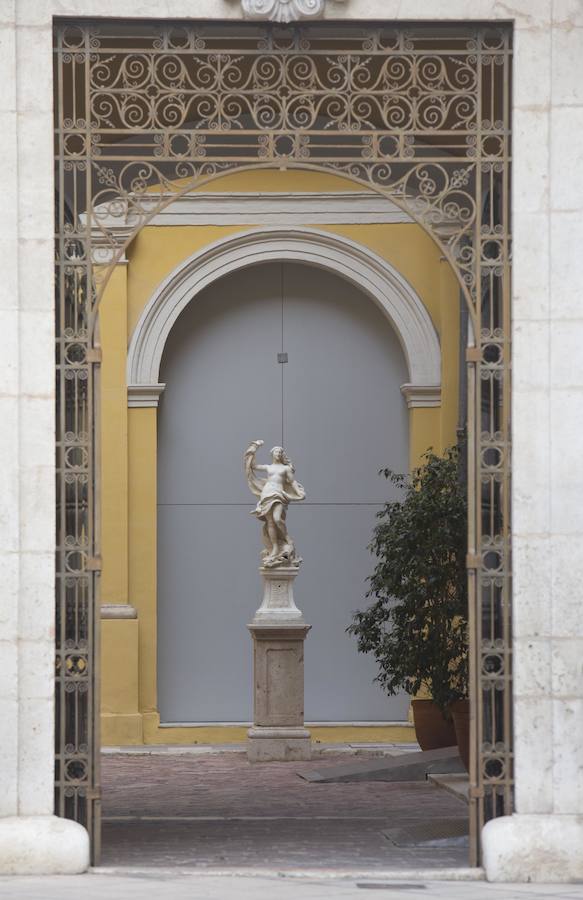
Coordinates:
column 121, row 721
column 114, row 440
column 424, row 432
column 142, row 533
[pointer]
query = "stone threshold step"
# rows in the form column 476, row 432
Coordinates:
column 369, row 750
column 420, row 874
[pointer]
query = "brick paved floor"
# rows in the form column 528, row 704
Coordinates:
column 221, row 812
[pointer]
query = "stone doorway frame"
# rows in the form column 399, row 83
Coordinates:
column 545, row 295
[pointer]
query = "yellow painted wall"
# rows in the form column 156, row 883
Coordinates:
column 129, row 443
column 270, row 180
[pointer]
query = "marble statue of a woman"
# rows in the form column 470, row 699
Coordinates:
column 275, row 494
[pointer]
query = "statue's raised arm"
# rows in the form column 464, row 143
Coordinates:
column 251, row 467
column 275, row 493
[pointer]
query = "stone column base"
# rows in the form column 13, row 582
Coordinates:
column 42, row 845
column 538, row 848
column 269, row 744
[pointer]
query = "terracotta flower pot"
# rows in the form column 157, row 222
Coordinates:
column 460, row 713
column 432, row 729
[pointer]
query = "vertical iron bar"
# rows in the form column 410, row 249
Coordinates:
column 474, row 684
column 93, row 710
column 476, row 779
column 507, row 425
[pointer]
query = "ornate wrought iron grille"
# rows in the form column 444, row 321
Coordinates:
column 148, row 111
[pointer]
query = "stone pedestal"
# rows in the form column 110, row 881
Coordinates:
column 279, row 631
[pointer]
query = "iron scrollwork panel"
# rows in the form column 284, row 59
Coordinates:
column 148, row 111
column 75, row 609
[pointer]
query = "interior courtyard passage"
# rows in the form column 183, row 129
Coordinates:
column 193, row 810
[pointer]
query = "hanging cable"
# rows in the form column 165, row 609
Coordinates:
column 282, row 350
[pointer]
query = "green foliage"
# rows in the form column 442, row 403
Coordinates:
column 416, row 628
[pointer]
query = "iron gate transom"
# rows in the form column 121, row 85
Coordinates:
column 146, row 112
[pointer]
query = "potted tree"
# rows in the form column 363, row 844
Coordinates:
column 416, row 624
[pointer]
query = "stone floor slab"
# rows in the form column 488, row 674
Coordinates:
column 221, row 812
column 162, row 884
column 301, row 843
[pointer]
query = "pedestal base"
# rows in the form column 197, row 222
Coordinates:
column 278, row 744
column 538, row 848
column 42, row 845
column 278, row 731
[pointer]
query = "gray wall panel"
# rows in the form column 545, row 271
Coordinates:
column 332, row 583
column 208, row 590
column 223, row 388
column 343, row 408
column 343, row 418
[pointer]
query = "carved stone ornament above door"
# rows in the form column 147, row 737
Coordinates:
column 283, row 10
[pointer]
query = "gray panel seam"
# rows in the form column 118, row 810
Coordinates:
column 304, row 504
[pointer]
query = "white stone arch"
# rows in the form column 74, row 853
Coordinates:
column 352, row 261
